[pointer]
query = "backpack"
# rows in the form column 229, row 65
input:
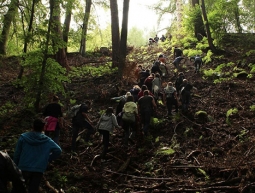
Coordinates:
column 73, row 111
column 168, row 93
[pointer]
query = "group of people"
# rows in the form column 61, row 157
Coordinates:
column 156, row 39
column 38, row 147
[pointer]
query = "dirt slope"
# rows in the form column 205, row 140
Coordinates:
column 183, row 154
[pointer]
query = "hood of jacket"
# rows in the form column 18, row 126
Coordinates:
column 35, row 138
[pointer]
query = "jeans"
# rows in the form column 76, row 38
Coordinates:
column 33, row 180
column 106, row 139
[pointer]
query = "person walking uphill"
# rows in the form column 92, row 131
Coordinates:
column 105, row 125
column 170, row 98
column 82, row 120
column 9, row 172
column 145, row 108
column 33, row 152
column 129, row 118
column 53, row 117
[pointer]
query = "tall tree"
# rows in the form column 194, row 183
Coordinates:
column 207, row 27
column 28, row 34
column 68, row 16
column 44, row 62
column 123, row 39
column 199, row 29
column 8, row 19
column 57, row 35
column 85, row 27
column 115, row 32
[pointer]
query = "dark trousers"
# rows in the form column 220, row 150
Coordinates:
column 33, row 180
column 169, row 104
column 145, row 119
column 106, row 139
column 185, row 100
column 197, row 65
column 128, row 128
column 76, row 130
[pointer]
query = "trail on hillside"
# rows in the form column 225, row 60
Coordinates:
column 183, row 154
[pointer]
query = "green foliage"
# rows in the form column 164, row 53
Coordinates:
column 229, row 113
column 53, row 80
column 7, row 108
column 252, row 108
column 204, row 173
column 208, row 57
column 136, row 38
column 250, row 52
column 243, row 135
column 78, row 72
column 165, row 151
column 252, row 66
column 221, row 73
column 58, row 178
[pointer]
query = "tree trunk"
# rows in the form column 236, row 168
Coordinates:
column 85, row 27
column 43, row 69
column 69, row 8
column 115, row 33
column 123, row 40
column 207, row 27
column 57, row 36
column 8, row 18
column 237, row 17
column 27, row 35
column 199, row 29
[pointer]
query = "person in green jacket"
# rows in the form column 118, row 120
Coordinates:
column 130, row 112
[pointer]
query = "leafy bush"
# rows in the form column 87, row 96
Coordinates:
column 53, row 79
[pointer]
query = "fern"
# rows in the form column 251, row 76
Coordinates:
column 229, row 113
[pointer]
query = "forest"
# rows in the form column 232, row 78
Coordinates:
column 57, row 47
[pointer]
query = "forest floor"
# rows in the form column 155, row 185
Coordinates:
column 187, row 153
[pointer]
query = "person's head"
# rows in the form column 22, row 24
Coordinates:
column 38, row 125
column 144, row 87
column 109, row 111
column 157, row 75
column 130, row 98
column 128, row 94
column 185, row 81
column 146, row 92
column 55, row 98
column 152, row 74
column 169, row 84
column 160, row 56
column 181, row 74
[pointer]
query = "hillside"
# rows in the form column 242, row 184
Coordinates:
column 189, row 153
